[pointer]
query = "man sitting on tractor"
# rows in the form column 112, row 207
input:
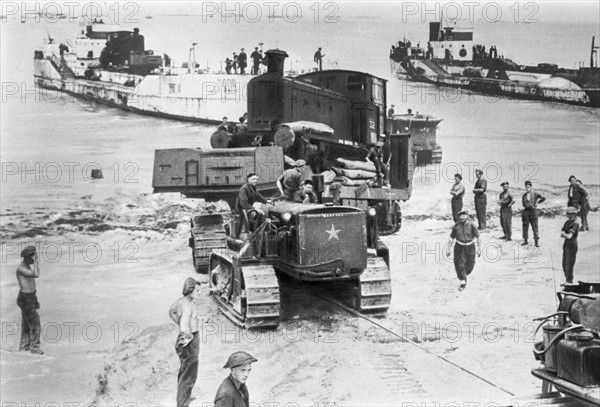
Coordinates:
column 251, row 201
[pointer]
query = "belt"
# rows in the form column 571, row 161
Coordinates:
column 466, row 244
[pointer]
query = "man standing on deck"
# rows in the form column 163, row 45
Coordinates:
column 256, row 60
column 506, row 203
column 531, row 199
column 185, row 314
column 464, row 233
column 233, row 391
column 569, row 232
column 27, row 272
column 375, row 155
column 480, row 199
column 242, row 62
column 318, row 57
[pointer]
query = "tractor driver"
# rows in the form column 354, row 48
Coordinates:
column 249, row 198
column 306, row 194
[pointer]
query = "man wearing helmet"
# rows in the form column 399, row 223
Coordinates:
column 233, row 391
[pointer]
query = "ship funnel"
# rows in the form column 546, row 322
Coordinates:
column 276, row 59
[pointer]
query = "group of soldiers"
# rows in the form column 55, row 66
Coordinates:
column 464, row 233
column 240, row 61
column 233, row 391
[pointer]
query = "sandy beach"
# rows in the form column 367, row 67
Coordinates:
column 111, row 269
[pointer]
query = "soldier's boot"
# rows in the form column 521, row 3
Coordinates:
column 537, row 242
column 524, row 242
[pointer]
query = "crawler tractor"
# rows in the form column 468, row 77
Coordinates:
column 312, row 243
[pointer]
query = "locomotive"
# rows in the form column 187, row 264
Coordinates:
column 323, row 116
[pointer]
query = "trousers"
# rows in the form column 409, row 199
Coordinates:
column 464, row 260
column 480, row 205
column 457, row 205
column 188, row 371
column 30, row 326
column 569, row 257
column 506, row 221
column 530, row 217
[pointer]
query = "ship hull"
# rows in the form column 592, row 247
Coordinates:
column 528, row 87
column 202, row 98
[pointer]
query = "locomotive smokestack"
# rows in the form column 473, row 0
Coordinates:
column 276, row 59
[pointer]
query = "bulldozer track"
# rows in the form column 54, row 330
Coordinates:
column 375, row 288
column 262, row 296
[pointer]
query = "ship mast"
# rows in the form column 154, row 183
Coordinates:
column 594, row 53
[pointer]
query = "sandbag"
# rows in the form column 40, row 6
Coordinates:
column 354, row 174
column 356, row 165
column 348, row 182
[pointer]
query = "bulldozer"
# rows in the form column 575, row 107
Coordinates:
column 307, row 242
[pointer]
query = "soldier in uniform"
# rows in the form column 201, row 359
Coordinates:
column 464, row 233
column 233, row 391
column 225, row 125
column 569, row 232
column 289, row 182
column 457, row 191
column 27, row 272
column 185, row 314
column 256, row 60
column 375, row 155
column 531, row 199
column 242, row 61
column 480, row 199
column 506, row 203
column 306, row 194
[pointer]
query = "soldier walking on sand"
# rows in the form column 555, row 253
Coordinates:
column 480, row 199
column 531, row 199
column 506, row 202
column 27, row 272
column 569, row 232
column 464, row 233
column 185, row 314
column 233, row 391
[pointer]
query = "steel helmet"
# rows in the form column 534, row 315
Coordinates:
column 239, row 359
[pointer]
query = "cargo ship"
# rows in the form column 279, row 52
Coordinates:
column 110, row 65
column 453, row 59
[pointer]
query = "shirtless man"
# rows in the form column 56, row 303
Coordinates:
column 27, row 272
column 185, row 314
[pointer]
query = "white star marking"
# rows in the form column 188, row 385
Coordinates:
column 333, row 233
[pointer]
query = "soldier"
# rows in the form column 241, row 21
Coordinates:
column 464, row 233
column 569, row 232
column 457, row 191
column 233, row 391
column 531, row 199
column 185, row 314
column 318, row 57
column 480, row 199
column 584, row 206
column 249, row 198
column 242, row 61
column 506, row 203
column 391, row 111
column 289, row 182
column 375, row 155
column 27, row 272
column 256, row 60
column 306, row 194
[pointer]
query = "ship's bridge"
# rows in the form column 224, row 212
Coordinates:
column 451, row 42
